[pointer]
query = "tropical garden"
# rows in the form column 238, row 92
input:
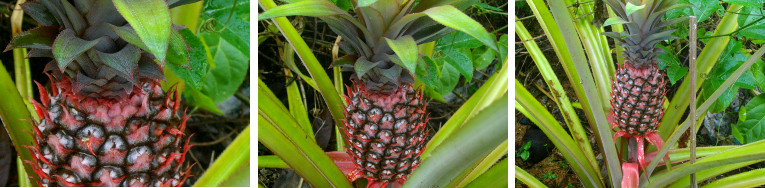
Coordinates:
column 381, row 93
column 639, row 93
column 124, row 93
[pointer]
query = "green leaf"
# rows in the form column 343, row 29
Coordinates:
column 199, row 99
column 729, row 61
column 194, row 76
column 68, row 46
column 482, row 57
column 231, row 66
column 747, row 3
column 751, row 16
column 703, row 9
column 343, row 4
column 614, row 20
column 489, row 123
column 753, row 128
column 631, row 8
column 503, row 50
column 406, row 50
column 449, row 79
column 454, row 18
column 237, row 30
column 178, row 52
column 40, row 37
column 457, row 39
column 362, row 66
column 676, row 73
column 365, row 3
column 151, row 21
column 313, row 8
column 124, row 61
column 129, row 35
column 759, row 74
column 233, row 161
column 460, row 60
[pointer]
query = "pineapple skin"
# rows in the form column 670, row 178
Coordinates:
column 386, row 131
column 135, row 140
column 637, row 97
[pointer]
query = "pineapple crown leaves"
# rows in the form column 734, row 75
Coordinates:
column 106, row 38
column 386, row 33
column 644, row 27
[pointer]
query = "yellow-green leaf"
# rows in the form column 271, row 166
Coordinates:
column 151, row 21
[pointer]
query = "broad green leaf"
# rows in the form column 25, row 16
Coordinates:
column 631, row 8
column 751, row 18
column 454, row 18
column 747, row 80
column 449, row 79
column 313, row 8
column 457, row 39
column 482, row 57
column 39, row 37
column 460, row 60
column 406, row 50
column 503, row 50
column 235, row 31
column 669, row 61
column 178, row 52
column 194, row 76
column 747, row 3
column 67, row 46
column 231, row 66
column 343, row 4
column 704, row 8
column 676, row 72
column 151, row 21
column 614, row 20
column 759, row 73
column 729, row 61
column 753, row 128
column 200, row 100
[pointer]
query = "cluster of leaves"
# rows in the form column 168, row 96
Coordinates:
column 751, row 21
column 523, row 152
column 457, row 54
column 219, row 54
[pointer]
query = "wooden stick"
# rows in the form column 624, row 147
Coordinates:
column 692, row 114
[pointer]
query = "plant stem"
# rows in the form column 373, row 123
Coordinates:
column 692, row 114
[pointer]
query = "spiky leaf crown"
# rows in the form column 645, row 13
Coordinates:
column 380, row 24
column 86, row 40
column 381, row 20
column 643, row 28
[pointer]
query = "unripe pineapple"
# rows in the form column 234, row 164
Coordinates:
column 106, row 122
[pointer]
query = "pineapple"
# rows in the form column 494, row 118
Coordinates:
column 102, row 124
column 639, row 86
column 385, row 116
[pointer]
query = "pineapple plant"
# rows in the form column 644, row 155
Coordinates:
column 638, row 86
column 106, row 121
column 385, row 114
